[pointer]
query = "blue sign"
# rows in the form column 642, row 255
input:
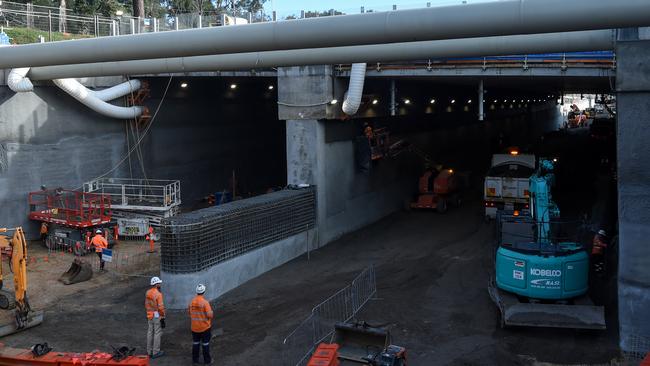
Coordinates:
column 107, row 255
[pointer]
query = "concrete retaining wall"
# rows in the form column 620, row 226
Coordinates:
column 225, row 276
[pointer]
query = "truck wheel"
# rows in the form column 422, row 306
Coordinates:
column 442, row 206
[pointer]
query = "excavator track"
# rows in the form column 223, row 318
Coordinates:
column 7, row 300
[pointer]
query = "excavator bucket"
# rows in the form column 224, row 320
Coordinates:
column 79, row 271
column 34, row 318
column 581, row 314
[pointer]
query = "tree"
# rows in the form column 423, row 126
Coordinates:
column 138, row 8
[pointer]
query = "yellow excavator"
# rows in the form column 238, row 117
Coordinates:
column 15, row 247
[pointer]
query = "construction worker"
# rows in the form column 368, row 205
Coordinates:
column 44, row 230
column 153, row 304
column 598, row 248
column 367, row 131
column 201, row 316
column 100, row 243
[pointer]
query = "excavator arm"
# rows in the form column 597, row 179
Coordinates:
column 17, row 299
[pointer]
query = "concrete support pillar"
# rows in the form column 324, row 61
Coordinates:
column 480, row 100
column 633, row 134
column 393, row 101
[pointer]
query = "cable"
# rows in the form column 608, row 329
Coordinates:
column 144, row 134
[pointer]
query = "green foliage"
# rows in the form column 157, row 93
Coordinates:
column 27, row 35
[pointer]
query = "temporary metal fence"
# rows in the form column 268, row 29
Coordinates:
column 129, row 259
column 636, row 347
column 193, row 241
column 343, row 306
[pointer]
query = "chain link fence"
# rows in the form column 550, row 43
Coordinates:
column 343, row 306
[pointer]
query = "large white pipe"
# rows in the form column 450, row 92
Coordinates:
column 505, row 17
column 18, row 82
column 83, row 95
column 118, row 90
column 355, row 90
column 469, row 47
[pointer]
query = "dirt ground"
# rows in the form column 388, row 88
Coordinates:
column 432, row 271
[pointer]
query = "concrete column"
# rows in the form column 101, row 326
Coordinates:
column 480, row 100
column 633, row 134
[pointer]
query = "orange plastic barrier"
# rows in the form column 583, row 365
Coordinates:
column 23, row 357
column 325, row 355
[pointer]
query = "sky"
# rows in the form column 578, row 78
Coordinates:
column 289, row 7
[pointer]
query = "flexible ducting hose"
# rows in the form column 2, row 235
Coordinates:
column 89, row 99
column 117, row 91
column 355, row 90
column 18, row 82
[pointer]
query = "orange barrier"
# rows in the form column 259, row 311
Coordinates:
column 23, row 357
column 325, row 355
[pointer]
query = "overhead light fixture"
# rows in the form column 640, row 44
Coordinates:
column 453, row 101
column 528, row 101
column 496, row 101
column 407, row 101
column 271, row 87
column 183, row 85
column 334, row 101
column 375, row 101
column 432, row 101
column 233, row 86
column 469, row 101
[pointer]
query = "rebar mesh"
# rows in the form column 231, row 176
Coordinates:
column 636, row 347
column 197, row 240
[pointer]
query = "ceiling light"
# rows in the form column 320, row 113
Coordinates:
column 375, row 101
column 271, row 87
column 469, row 101
column 432, row 101
column 183, row 85
column 233, row 86
column 334, row 101
column 453, row 101
column 407, row 101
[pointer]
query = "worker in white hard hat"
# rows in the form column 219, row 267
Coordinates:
column 100, row 243
column 201, row 323
column 153, row 304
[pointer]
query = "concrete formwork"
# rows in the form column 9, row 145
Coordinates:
column 633, row 88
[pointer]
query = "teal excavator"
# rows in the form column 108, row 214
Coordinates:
column 541, row 279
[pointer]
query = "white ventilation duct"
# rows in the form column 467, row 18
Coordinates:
column 90, row 99
column 355, row 89
column 117, row 91
column 18, row 82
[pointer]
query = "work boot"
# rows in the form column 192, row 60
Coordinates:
column 157, row 355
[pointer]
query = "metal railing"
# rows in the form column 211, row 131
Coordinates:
column 343, row 306
column 137, row 194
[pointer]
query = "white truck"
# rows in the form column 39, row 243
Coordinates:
column 507, row 182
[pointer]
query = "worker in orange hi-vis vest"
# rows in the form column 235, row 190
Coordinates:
column 201, row 317
column 44, row 230
column 153, row 304
column 100, row 243
column 151, row 241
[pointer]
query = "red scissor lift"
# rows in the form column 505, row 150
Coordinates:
column 69, row 213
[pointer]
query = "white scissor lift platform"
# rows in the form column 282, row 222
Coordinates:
column 138, row 203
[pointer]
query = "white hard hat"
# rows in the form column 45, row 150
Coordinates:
column 98, row 231
column 200, row 288
column 602, row 232
column 155, row 281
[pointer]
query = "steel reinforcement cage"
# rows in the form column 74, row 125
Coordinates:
column 194, row 241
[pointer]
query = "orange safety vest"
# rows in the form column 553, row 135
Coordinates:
column 99, row 242
column 153, row 302
column 201, row 314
